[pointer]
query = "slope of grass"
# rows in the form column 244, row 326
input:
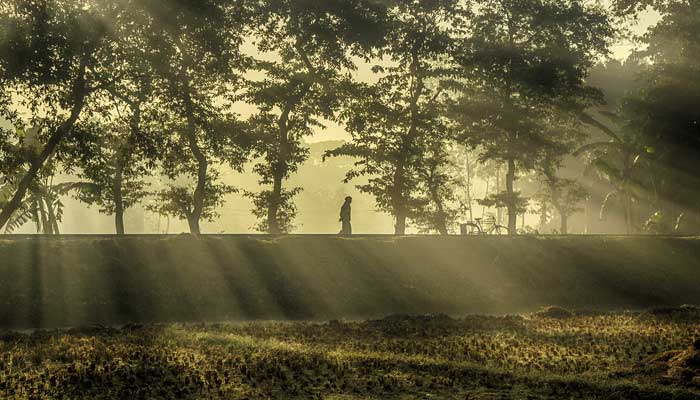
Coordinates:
column 85, row 280
column 393, row 358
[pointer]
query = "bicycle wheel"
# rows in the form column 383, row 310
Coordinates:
column 499, row 230
column 473, row 229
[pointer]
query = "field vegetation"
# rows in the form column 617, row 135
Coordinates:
column 577, row 355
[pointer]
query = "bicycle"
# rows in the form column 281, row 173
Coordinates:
column 480, row 226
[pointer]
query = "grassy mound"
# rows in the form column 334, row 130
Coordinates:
column 82, row 280
column 554, row 312
column 681, row 366
column 398, row 357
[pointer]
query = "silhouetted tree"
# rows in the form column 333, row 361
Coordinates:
column 389, row 119
column 564, row 195
column 55, row 54
column 525, row 63
column 115, row 151
column 438, row 211
column 664, row 111
column 194, row 49
column 115, row 159
column 314, row 43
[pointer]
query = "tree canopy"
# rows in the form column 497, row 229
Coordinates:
column 149, row 104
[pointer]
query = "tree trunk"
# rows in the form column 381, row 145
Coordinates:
column 564, row 228
column 279, row 169
column 512, row 206
column 46, row 228
column 273, row 226
column 193, row 224
column 35, row 212
column 122, row 158
column 79, row 94
column 199, row 194
column 469, row 187
column 400, row 227
column 544, row 210
column 53, row 221
column 56, row 230
column 486, row 194
column 417, row 87
column 441, row 220
column 118, row 200
column 499, row 210
column 397, row 200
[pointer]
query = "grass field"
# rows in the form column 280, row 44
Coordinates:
column 602, row 356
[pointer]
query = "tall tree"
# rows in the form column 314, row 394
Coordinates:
column 618, row 161
column 525, row 63
column 313, row 43
column 564, row 195
column 389, row 119
column 116, row 150
column 438, row 211
column 195, row 50
column 54, row 55
column 664, row 110
column 113, row 160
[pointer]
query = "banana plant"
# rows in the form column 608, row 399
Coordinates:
column 43, row 205
column 616, row 160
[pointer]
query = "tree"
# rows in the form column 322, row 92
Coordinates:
column 618, row 161
column 524, row 65
column 43, row 204
column 314, row 43
column 437, row 212
column 114, row 158
column 563, row 194
column 388, row 120
column 53, row 54
column 194, row 49
column 463, row 167
column 115, row 150
column 664, row 111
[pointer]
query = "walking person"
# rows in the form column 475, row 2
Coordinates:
column 345, row 216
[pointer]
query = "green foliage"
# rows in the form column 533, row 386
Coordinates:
column 314, row 42
column 393, row 118
column 177, row 201
column 122, row 91
column 286, row 211
column 43, row 206
column 662, row 111
column 526, row 63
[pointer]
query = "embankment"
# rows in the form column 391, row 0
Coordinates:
column 47, row 282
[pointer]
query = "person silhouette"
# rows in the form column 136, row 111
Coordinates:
column 345, row 216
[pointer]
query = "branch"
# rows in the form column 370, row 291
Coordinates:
column 589, row 120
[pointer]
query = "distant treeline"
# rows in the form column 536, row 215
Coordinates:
column 141, row 101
